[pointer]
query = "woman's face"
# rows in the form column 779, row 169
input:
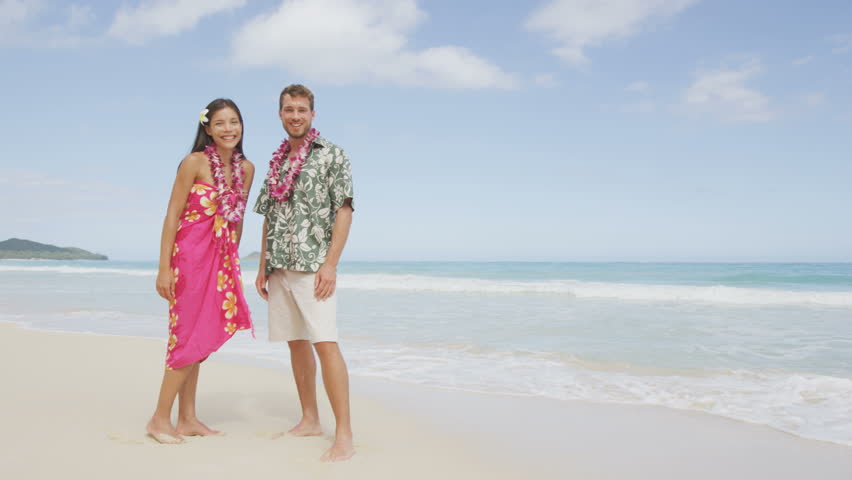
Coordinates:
column 225, row 128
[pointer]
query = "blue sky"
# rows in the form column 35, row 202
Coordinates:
column 577, row 130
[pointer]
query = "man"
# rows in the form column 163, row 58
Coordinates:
column 307, row 202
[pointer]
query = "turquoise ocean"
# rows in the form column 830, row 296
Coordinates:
column 769, row 344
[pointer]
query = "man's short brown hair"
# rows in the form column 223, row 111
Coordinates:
column 296, row 90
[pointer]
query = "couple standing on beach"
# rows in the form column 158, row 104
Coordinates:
column 306, row 200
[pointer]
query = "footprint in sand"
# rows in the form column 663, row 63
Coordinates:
column 126, row 439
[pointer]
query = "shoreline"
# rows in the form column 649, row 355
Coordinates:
column 402, row 430
column 245, row 359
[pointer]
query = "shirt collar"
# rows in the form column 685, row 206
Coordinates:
column 320, row 142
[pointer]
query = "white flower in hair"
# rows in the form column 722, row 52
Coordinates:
column 203, row 119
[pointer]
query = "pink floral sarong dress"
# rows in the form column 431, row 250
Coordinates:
column 209, row 304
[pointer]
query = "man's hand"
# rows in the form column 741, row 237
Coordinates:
column 325, row 282
column 260, row 284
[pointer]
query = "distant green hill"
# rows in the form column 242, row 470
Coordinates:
column 16, row 248
column 251, row 257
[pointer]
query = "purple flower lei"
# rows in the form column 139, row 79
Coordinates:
column 282, row 190
column 232, row 199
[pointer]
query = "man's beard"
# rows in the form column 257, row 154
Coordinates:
column 306, row 127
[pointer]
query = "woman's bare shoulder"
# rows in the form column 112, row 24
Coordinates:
column 248, row 166
column 193, row 163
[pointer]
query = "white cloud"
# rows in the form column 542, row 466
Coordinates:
column 640, row 87
column 546, row 80
column 578, row 24
column 349, row 41
column 814, row 99
column 22, row 177
column 724, row 92
column 803, row 61
column 19, row 24
column 159, row 18
column 14, row 13
column 80, row 16
column 643, row 106
column 842, row 42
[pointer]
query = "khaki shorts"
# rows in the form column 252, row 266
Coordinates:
column 294, row 312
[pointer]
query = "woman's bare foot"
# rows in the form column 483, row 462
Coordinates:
column 163, row 432
column 194, row 428
column 341, row 450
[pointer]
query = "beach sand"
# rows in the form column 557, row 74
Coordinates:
column 75, row 406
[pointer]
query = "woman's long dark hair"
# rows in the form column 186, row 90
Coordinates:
column 201, row 137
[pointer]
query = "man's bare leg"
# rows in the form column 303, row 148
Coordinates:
column 188, row 423
column 336, row 380
column 305, row 373
column 160, row 425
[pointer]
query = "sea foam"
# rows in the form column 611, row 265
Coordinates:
column 600, row 290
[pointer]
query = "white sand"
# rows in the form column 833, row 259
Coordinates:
column 75, row 406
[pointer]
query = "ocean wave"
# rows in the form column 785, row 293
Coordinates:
column 839, row 280
column 600, row 290
column 804, row 404
column 67, row 269
column 716, row 294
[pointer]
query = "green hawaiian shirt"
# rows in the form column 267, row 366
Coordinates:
column 299, row 230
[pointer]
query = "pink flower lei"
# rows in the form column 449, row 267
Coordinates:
column 232, row 199
column 281, row 190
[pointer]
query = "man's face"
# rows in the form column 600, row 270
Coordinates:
column 296, row 116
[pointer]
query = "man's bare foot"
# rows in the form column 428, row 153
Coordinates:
column 194, row 428
column 341, row 450
column 163, row 432
column 304, row 429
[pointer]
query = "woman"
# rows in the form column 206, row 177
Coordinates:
column 199, row 270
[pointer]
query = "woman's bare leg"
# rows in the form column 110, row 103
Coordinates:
column 188, row 423
column 160, row 426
